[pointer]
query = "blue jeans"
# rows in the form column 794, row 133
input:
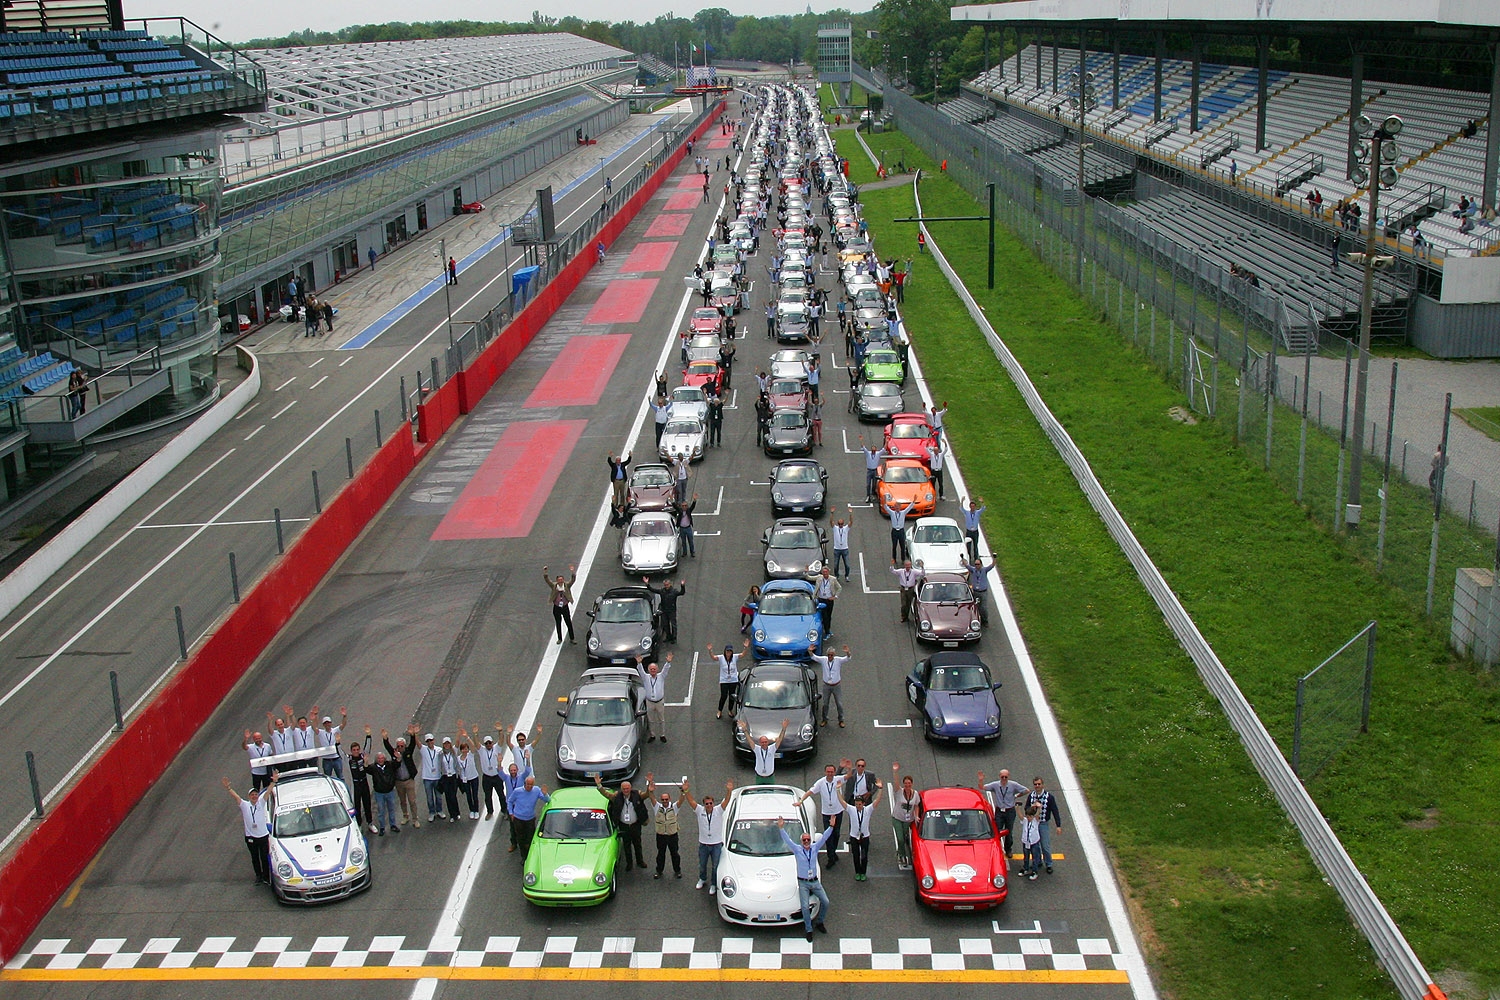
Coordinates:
column 434, row 787
column 708, row 862
column 1032, row 860
column 1046, row 845
column 840, row 556
column 334, row 766
column 686, row 535
column 385, row 809
column 807, row 892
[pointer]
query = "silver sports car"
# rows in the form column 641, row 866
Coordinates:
column 649, row 544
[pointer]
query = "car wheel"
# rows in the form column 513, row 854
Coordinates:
column 927, row 730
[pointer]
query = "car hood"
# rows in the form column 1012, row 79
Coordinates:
column 881, row 405
column 567, row 864
column 948, row 618
column 962, row 866
column 781, row 627
column 320, row 853
column 761, row 881
column 942, row 557
column 658, row 546
column 971, row 707
column 784, row 435
column 620, row 637
column 595, row 744
column 797, row 560
column 798, row 492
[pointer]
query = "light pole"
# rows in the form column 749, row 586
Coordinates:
column 1376, row 157
column 906, row 71
column 442, row 256
column 1082, row 101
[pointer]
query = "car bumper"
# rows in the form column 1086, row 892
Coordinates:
column 946, row 639
column 590, row 897
column 966, row 736
column 793, row 450
column 746, row 918
column 650, row 566
column 773, row 651
column 308, row 894
column 954, row 902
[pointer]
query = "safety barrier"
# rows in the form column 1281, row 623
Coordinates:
column 82, row 821
column 1391, row 948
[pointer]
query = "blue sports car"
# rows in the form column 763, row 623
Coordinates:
column 956, row 695
column 786, row 623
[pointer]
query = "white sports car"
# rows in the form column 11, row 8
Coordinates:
column 649, row 544
column 318, row 852
column 757, row 873
column 938, row 543
column 688, row 401
column 683, row 436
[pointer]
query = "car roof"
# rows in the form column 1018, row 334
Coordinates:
column 652, row 515
column 956, row 658
column 794, row 522
column 622, row 593
column 811, row 462
column 772, row 586
column 577, row 797
column 944, row 578
column 934, row 521
column 765, row 801
column 953, row 797
column 302, row 789
column 604, row 687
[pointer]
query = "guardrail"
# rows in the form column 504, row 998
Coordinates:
column 1391, row 948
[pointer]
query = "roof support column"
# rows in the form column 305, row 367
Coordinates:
column 1197, row 74
column 1356, row 100
column 1115, row 100
column 1491, row 137
column 1161, row 54
column 1055, row 46
column 1263, row 67
column 1039, row 59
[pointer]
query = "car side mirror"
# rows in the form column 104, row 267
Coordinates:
column 995, row 686
column 562, row 714
column 641, row 714
column 765, row 538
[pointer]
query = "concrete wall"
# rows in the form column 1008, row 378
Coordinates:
column 1468, row 280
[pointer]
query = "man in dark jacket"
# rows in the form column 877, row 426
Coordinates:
column 628, row 810
column 404, row 757
column 364, row 812
column 668, row 592
column 383, row 776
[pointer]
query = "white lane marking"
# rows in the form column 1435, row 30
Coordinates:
column 864, row 583
column 285, row 384
column 346, row 361
column 733, row 396
column 692, row 683
column 317, row 383
column 225, row 524
column 756, row 482
column 892, row 725
column 283, row 409
column 450, row 924
column 844, row 433
column 255, row 432
column 245, row 412
column 1035, row 928
column 317, row 363
column 718, row 505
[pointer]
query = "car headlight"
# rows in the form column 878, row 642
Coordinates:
column 727, row 886
column 601, row 879
column 815, row 566
column 974, row 625
column 284, row 870
column 937, row 722
column 739, row 735
column 813, row 635
column 998, row 881
column 890, row 498
column 645, row 642
column 593, row 642
column 818, row 497
column 925, row 624
column 772, row 566
column 622, row 752
column 564, row 752
column 992, row 721
column 530, row 878
column 927, row 495
column 778, row 496
column 760, row 635
column 806, row 732
column 356, row 857
column 927, row 882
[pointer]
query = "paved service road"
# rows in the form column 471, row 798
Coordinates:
column 409, row 627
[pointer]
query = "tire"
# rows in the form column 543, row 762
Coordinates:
column 927, row 730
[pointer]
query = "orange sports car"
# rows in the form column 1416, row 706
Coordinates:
column 905, row 481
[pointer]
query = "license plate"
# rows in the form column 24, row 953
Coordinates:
column 966, row 739
column 773, row 919
column 946, row 645
column 963, row 908
column 618, row 659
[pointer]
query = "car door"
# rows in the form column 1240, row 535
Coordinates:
column 916, row 686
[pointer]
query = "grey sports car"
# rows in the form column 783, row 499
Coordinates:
column 602, row 727
column 794, row 549
column 878, row 401
column 626, row 624
column 773, row 690
column 788, row 433
column 798, row 486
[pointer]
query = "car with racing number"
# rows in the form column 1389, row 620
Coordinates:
column 572, row 857
column 757, row 873
column 958, row 858
column 956, row 694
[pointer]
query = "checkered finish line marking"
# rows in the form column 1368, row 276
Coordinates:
column 616, row 959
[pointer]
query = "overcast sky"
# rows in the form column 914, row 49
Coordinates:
column 235, row 22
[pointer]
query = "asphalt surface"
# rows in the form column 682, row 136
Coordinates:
column 407, row 628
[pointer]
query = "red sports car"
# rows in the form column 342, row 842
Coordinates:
column 908, row 435
column 706, row 321
column 702, row 374
column 787, row 394
column 471, row 208
column 957, row 854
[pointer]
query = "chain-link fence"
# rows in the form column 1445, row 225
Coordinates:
column 1333, row 704
column 1265, row 366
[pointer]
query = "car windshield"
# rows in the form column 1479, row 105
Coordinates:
column 650, row 528
column 599, row 712
column 884, row 390
column 682, row 427
column 904, row 474
column 948, row 592
column 937, row 534
column 788, row 418
column 761, row 838
column 651, row 477
column 574, row 824
column 305, row 821
column 963, row 678
column 883, row 358
column 956, row 824
column 706, row 314
column 798, row 474
column 687, row 394
column 703, row 369
column 794, row 602
column 910, row 431
column 774, row 693
column 624, row 609
column 793, row 538
column 786, row 387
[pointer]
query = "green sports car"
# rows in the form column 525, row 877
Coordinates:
column 572, row 856
column 883, row 365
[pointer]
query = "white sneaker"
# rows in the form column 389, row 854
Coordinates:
column 710, row 890
column 373, row 828
column 473, row 815
column 699, row 885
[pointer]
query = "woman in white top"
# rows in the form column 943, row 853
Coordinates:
column 859, row 813
column 468, row 774
column 904, row 802
column 729, row 676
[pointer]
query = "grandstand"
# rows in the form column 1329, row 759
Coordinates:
column 1226, row 158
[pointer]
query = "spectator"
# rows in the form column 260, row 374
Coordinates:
column 831, row 672
column 619, row 476
column 372, row 255
column 1048, row 809
column 765, row 750
column 729, row 676
column 667, row 595
column 662, row 411
column 468, row 773
column 520, row 749
column 666, row 819
column 858, row 813
column 979, row 582
column 359, row 784
column 826, row 590
column 490, row 756
column 685, row 531
column 1031, row 843
column 654, row 686
column 809, row 881
column 560, row 596
column 972, row 508
column 255, row 814
column 904, row 802
column 431, row 761
column 328, row 312
column 935, row 463
column 404, row 759
column 1003, row 793
column 898, row 529
column 627, row 809
column 452, row 271
column 907, row 576
column 826, row 789
column 78, row 394
column 383, row 778
column 448, row 761
column 873, row 458
column 258, row 748
column 710, row 834
column 841, row 527
column 524, row 802
column 747, row 609
column 328, row 738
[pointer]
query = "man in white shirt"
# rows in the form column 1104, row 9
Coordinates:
column 490, row 756
column 429, row 762
column 281, row 736
column 935, row 463
column 898, row 529
column 654, row 687
column 765, row 751
column 710, row 834
column 841, row 527
column 255, row 813
column 257, row 747
column 448, row 761
column 520, row 750
column 907, row 576
column 826, row 789
column 666, row 817
column 826, row 590
column 832, row 674
column 858, row 814
column 328, row 736
column 304, row 737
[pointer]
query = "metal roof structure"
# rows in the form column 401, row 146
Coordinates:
column 1475, row 13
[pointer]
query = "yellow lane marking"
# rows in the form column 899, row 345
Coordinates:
column 78, row 886
column 1022, row 857
column 556, row 974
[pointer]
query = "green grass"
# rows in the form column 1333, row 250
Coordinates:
column 1485, row 419
column 1228, row 898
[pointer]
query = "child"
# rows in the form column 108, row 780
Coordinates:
column 1031, row 842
